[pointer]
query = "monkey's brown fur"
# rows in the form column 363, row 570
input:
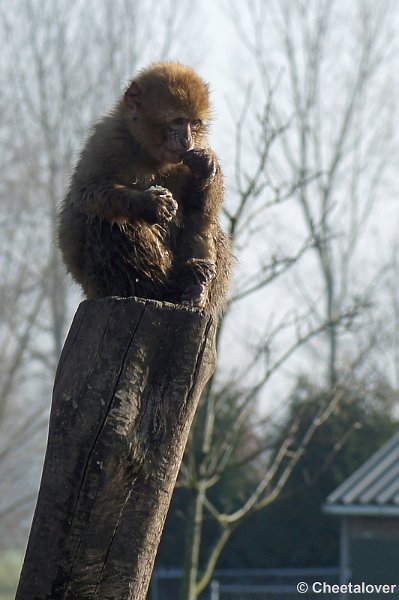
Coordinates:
column 119, row 232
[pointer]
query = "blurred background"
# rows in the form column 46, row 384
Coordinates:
column 306, row 389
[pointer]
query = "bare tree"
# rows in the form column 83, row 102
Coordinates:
column 63, row 64
column 321, row 151
column 386, row 360
column 340, row 130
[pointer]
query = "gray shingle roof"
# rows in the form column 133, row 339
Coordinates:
column 373, row 489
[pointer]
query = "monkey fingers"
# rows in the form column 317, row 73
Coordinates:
column 202, row 165
column 165, row 205
column 203, row 270
column 166, row 210
column 195, row 295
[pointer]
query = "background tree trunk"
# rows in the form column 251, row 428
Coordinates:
column 127, row 386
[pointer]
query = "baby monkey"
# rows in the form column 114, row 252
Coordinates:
column 141, row 214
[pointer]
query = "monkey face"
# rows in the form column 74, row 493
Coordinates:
column 168, row 107
column 179, row 138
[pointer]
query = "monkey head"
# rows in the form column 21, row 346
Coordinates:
column 168, row 110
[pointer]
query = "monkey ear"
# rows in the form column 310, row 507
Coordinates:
column 132, row 96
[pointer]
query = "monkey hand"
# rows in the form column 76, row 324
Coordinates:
column 162, row 205
column 199, row 273
column 202, row 165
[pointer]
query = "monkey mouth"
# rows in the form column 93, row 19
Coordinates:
column 173, row 156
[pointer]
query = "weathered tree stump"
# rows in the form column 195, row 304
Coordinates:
column 127, row 386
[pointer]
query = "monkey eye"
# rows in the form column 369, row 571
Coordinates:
column 178, row 121
column 196, row 124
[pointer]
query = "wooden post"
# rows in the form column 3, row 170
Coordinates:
column 125, row 393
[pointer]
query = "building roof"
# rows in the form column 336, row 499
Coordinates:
column 373, row 489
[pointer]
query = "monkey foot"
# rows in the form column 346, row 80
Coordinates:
column 195, row 295
column 195, row 285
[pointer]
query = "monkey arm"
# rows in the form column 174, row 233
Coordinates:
column 202, row 201
column 198, row 238
column 114, row 201
column 198, row 244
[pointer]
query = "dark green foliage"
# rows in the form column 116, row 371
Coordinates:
column 231, row 485
column 293, row 531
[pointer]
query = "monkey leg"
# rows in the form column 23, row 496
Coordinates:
column 219, row 285
column 114, row 264
column 107, row 271
column 204, row 283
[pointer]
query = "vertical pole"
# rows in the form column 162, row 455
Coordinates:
column 215, row 590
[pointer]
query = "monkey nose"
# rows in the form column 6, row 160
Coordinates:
column 187, row 144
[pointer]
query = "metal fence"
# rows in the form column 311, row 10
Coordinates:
column 250, row 584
